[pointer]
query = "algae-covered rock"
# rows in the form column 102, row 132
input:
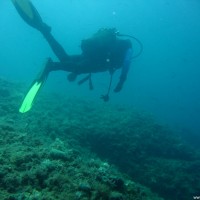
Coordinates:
column 58, row 155
column 116, row 196
column 81, row 151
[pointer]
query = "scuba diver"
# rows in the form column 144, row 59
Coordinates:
column 104, row 51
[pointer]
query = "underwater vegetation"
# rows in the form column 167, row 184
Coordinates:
column 72, row 149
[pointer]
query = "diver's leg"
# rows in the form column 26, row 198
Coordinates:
column 31, row 16
column 77, row 64
column 64, row 66
column 67, row 66
column 56, row 47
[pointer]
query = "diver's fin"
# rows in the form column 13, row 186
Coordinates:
column 30, row 96
column 34, row 89
column 30, row 15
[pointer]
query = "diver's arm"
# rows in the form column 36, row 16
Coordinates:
column 125, row 69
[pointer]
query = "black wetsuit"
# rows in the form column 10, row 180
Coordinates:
column 117, row 54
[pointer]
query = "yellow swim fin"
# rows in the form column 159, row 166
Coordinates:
column 25, row 7
column 30, row 15
column 34, row 89
column 30, row 96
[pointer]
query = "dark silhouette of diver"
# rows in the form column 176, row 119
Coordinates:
column 104, row 51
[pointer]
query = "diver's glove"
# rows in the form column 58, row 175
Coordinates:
column 72, row 76
column 105, row 97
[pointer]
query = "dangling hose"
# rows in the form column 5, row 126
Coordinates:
column 137, row 40
column 106, row 96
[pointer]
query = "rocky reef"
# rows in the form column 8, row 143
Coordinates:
column 72, row 149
